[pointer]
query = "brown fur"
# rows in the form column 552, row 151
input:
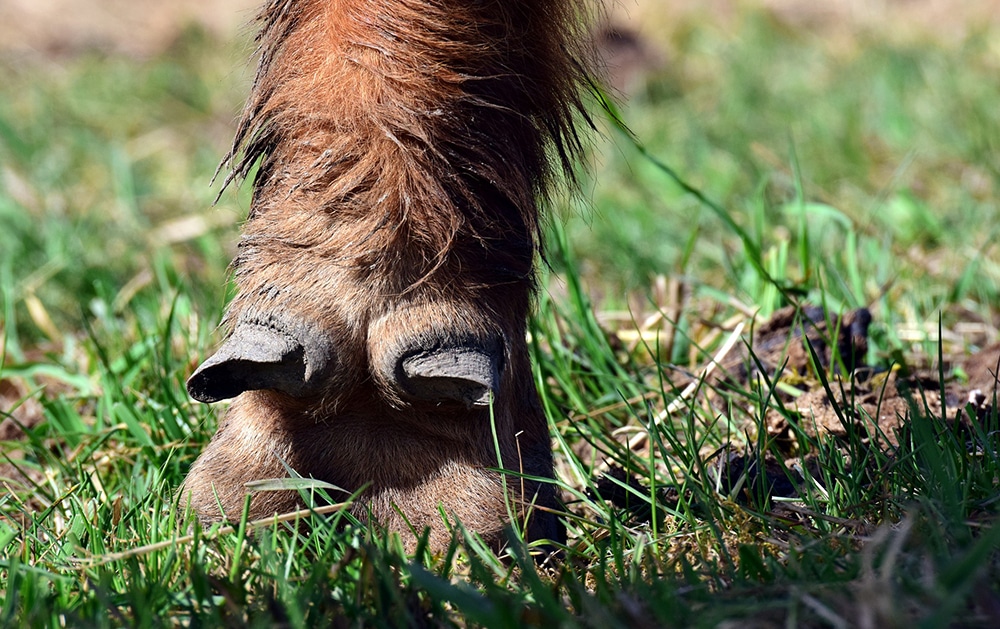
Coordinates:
column 403, row 147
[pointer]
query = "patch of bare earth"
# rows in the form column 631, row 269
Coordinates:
column 636, row 36
column 131, row 27
column 20, row 410
column 145, row 27
column 810, row 365
column 893, row 18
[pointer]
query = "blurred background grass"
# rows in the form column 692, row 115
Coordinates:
column 845, row 131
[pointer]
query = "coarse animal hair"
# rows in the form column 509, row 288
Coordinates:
column 422, row 119
column 386, row 266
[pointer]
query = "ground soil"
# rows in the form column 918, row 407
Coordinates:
column 878, row 405
column 939, row 18
column 810, row 365
column 131, row 27
column 145, row 27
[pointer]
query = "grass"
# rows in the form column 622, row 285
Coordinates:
column 763, row 168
